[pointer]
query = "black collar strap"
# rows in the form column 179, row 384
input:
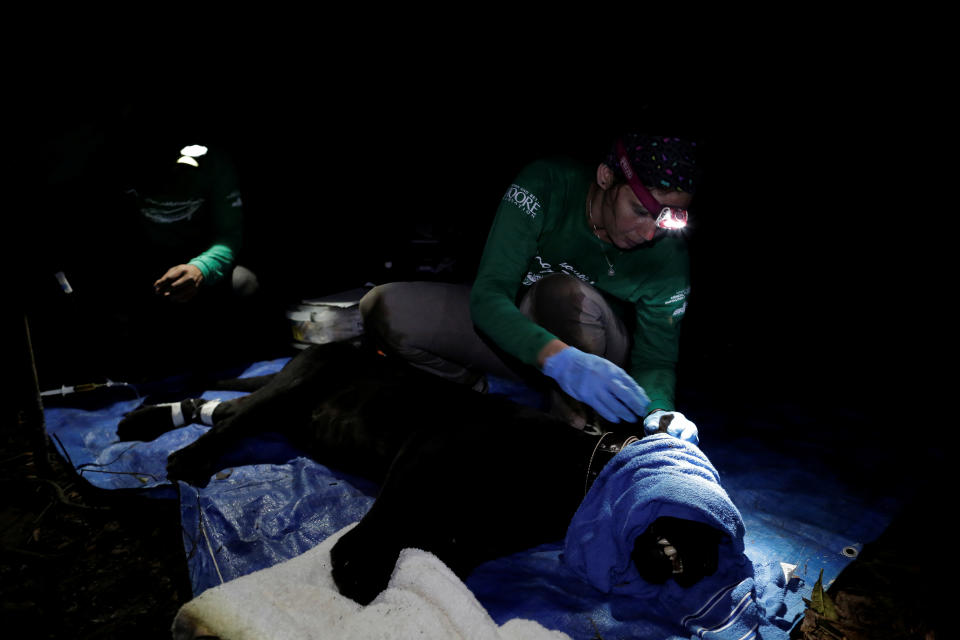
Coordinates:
column 602, row 454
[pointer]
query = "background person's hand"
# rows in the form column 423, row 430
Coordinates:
column 599, row 383
column 179, row 283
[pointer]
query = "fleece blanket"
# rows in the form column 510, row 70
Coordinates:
column 298, row 600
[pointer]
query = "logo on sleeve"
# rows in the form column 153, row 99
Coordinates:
column 679, row 296
column 234, row 199
column 523, row 199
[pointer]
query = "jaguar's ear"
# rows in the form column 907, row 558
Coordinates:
column 649, row 557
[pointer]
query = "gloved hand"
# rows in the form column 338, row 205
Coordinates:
column 599, row 383
column 676, row 423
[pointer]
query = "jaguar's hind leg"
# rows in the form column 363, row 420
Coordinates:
column 150, row 422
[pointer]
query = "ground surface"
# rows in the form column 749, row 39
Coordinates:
column 82, row 563
column 79, row 564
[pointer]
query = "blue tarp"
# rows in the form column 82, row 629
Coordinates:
column 796, row 507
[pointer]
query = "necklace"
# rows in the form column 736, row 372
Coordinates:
column 610, row 270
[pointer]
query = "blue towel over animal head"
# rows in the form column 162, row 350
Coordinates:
column 658, row 476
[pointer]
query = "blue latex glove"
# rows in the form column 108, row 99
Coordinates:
column 678, row 425
column 599, row 383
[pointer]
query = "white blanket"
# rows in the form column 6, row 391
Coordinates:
column 297, row 599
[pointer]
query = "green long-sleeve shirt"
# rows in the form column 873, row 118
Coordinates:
column 195, row 212
column 541, row 228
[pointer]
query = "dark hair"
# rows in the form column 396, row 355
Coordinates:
column 661, row 162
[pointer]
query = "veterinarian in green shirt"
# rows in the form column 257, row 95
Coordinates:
column 584, row 280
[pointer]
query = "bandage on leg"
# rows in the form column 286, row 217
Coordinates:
column 149, row 422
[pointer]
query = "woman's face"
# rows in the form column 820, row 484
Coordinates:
column 626, row 222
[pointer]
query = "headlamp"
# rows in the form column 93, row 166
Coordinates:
column 672, row 218
column 190, row 153
column 666, row 217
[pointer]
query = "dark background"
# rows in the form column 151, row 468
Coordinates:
column 816, row 243
column 799, row 241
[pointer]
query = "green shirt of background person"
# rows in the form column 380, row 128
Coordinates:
column 191, row 214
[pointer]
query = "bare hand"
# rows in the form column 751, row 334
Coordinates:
column 179, row 283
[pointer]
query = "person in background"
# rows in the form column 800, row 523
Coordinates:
column 144, row 229
column 190, row 212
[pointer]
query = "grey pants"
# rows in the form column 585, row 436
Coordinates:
column 243, row 281
column 429, row 324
